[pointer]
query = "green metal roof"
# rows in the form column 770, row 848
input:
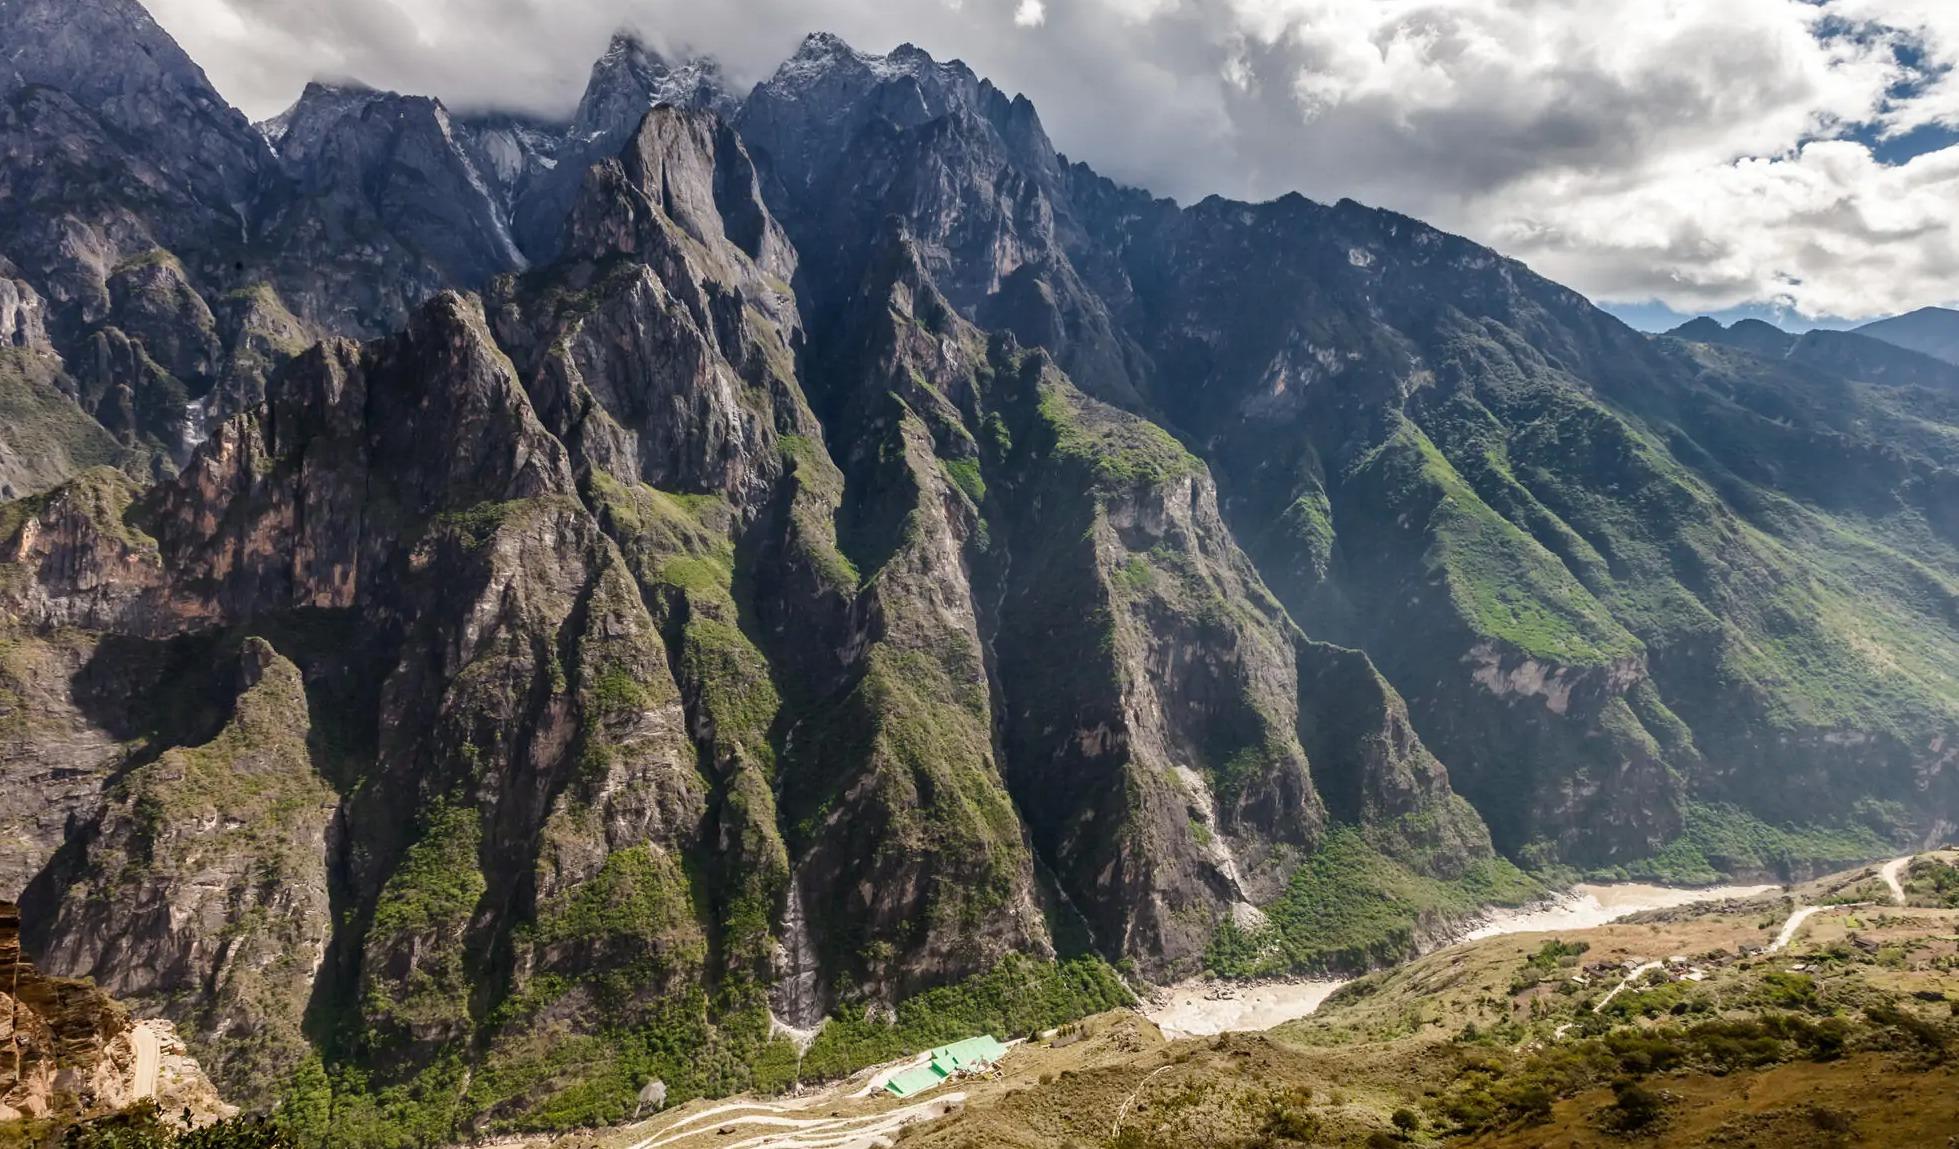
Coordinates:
column 946, row 1060
column 916, row 1080
column 972, row 1051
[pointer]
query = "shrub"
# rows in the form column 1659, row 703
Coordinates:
column 143, row 1126
column 1634, row 1107
column 1556, row 953
column 1291, row 1123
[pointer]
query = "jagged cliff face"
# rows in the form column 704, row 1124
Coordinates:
column 73, row 1051
column 777, row 559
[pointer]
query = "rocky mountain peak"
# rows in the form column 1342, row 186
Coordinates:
column 113, row 59
column 827, row 66
column 323, row 105
column 1703, row 329
column 1751, row 335
column 405, row 166
column 632, row 77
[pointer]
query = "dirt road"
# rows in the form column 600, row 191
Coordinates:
column 1790, row 927
column 771, row 1126
column 149, row 1056
column 1633, row 975
column 1891, row 873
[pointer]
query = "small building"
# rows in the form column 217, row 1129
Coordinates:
column 966, row 1056
column 972, row 1053
column 915, row 1080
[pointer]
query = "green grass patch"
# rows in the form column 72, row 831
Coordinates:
column 1119, row 449
column 965, row 474
column 1721, row 841
column 1350, row 908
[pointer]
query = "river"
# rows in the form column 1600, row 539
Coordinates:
column 1202, row 1007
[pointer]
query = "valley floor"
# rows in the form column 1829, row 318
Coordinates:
column 1752, row 1016
column 1203, row 1007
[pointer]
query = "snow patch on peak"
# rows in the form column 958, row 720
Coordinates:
column 633, row 77
column 824, row 53
column 626, row 42
column 824, row 44
column 274, row 130
column 320, row 101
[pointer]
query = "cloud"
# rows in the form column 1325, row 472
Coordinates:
column 1702, row 155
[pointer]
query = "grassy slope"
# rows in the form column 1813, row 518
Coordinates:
column 44, row 437
column 1773, row 609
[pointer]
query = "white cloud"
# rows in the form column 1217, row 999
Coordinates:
column 1707, row 155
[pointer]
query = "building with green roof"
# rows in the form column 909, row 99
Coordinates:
column 959, row 1057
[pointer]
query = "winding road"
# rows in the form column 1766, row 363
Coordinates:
column 1790, row 927
column 771, row 1126
column 1889, row 872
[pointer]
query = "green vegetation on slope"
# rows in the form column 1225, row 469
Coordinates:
column 1350, row 907
column 557, row 1080
column 1019, row 996
column 1503, row 584
column 1932, row 882
column 143, row 1126
column 1721, row 840
column 1119, row 449
column 44, row 436
column 430, row 896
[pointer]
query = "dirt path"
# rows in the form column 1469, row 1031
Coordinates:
column 779, row 1131
column 1115, row 1130
column 1790, row 927
column 149, row 1056
column 1891, row 871
column 1637, row 972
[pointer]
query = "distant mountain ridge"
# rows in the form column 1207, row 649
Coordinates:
column 1931, row 331
column 1860, row 354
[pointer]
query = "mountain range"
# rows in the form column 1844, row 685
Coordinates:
column 497, row 610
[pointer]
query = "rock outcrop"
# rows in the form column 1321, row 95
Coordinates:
column 72, row 1052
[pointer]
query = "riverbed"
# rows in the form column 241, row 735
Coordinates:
column 1588, row 905
column 1203, row 1007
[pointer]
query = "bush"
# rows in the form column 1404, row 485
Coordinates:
column 1291, row 1123
column 1634, row 1107
column 142, row 1126
column 1790, row 991
column 1556, row 953
column 1923, row 1033
column 1531, row 1101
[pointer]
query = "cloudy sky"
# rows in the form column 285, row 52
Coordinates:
column 1795, row 159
